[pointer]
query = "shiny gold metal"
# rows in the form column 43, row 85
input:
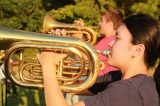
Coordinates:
column 75, row 73
column 2, row 54
column 85, row 33
column 104, row 52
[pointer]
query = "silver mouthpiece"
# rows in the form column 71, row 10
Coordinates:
column 104, row 52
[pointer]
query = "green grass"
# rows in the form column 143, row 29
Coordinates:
column 25, row 97
column 2, row 94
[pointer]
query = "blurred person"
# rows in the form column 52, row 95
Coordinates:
column 110, row 21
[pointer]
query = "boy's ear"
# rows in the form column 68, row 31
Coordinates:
column 110, row 23
column 138, row 50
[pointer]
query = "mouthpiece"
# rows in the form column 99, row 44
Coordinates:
column 104, row 52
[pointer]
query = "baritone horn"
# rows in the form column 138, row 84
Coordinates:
column 75, row 73
column 70, row 30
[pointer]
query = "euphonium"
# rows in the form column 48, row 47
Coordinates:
column 23, row 68
column 85, row 33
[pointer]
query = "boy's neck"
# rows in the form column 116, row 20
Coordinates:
column 110, row 33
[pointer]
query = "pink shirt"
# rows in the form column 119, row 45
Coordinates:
column 103, row 44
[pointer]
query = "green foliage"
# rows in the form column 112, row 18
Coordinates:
column 88, row 10
column 21, row 14
column 130, row 7
column 151, row 7
column 28, row 14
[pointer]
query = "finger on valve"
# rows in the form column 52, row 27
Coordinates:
column 57, row 32
column 63, row 32
column 51, row 32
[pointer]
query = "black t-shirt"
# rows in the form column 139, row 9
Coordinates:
column 139, row 90
column 103, row 81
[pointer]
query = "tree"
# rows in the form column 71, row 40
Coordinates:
column 28, row 14
column 88, row 10
column 150, row 7
column 130, row 7
column 21, row 14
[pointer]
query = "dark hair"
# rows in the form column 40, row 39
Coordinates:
column 115, row 16
column 145, row 30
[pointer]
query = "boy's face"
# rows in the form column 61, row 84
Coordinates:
column 105, row 27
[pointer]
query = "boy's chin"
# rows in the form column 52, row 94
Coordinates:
column 109, row 62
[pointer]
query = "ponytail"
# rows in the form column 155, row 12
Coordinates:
column 157, row 77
